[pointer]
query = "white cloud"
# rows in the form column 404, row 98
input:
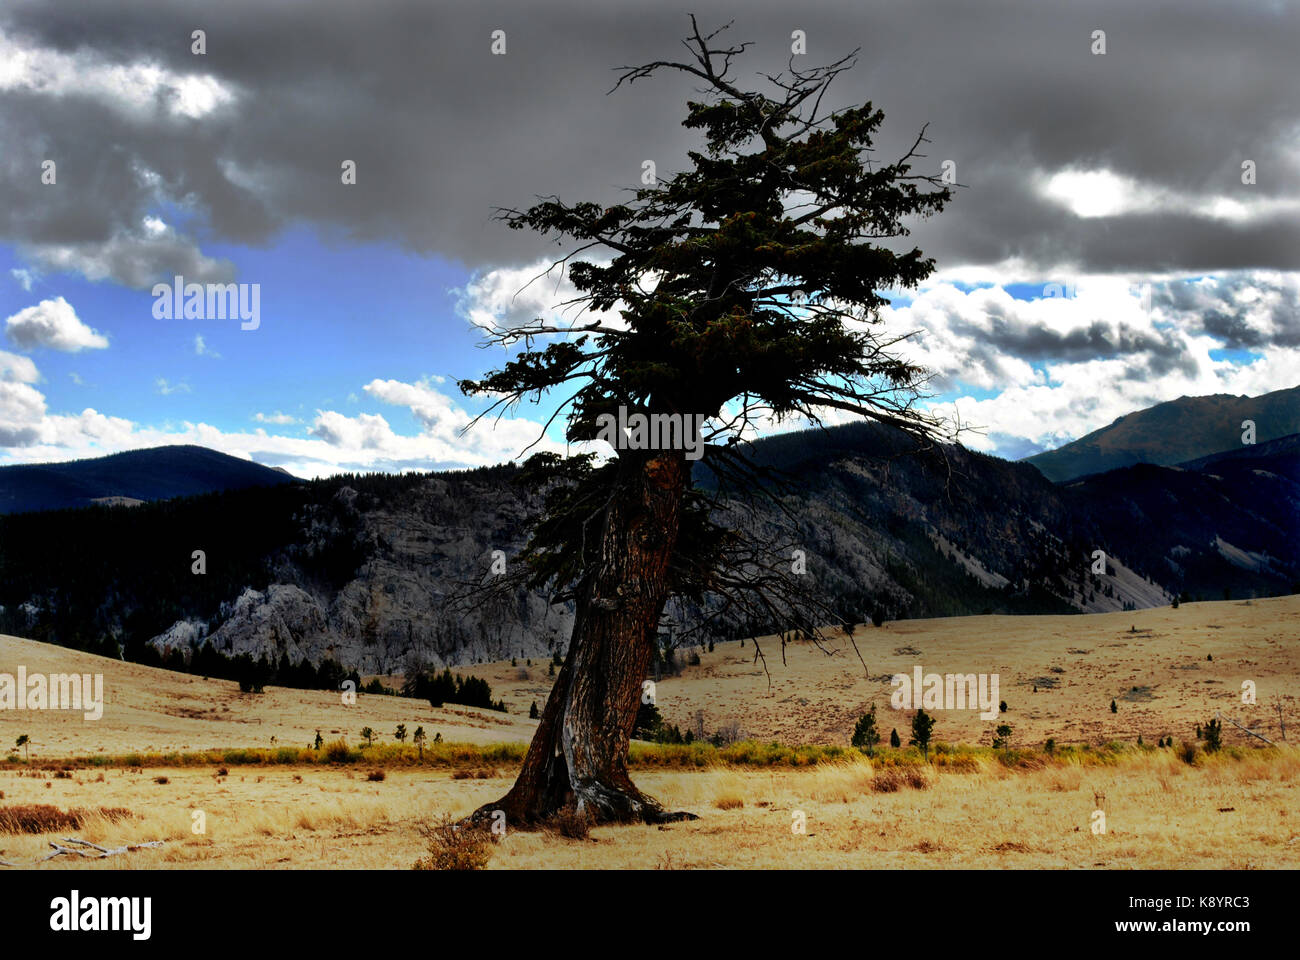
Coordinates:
column 277, row 418
column 1104, row 193
column 17, row 369
column 1042, row 371
column 509, row 297
column 136, row 90
column 335, row 442
column 22, row 406
column 53, row 324
column 24, row 277
column 202, row 349
column 1052, row 369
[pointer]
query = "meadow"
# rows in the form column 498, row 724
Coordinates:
column 173, row 753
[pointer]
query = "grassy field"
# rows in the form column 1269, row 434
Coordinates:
column 169, row 745
column 1225, row 813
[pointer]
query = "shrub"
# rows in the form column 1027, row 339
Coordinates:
column 1114, row 707
column 44, row 818
column 37, row 818
column 1213, row 736
column 893, row 779
column 957, row 762
column 1189, row 753
column 455, row 847
column 161, row 780
column 375, row 776
column 338, row 751
column 1050, row 745
column 223, row 772
column 569, row 823
column 894, row 741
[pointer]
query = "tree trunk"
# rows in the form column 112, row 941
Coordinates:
column 578, row 756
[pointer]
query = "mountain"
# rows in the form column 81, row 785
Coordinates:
column 1227, row 519
column 129, row 478
column 372, row 571
column 1173, row 432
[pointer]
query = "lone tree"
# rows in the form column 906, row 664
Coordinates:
column 418, row 738
column 744, row 287
column 922, row 727
column 865, row 734
column 1213, row 736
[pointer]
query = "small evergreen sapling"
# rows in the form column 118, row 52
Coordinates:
column 922, row 728
column 865, row 734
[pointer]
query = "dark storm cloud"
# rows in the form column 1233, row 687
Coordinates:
column 1000, row 333
column 442, row 131
column 1242, row 311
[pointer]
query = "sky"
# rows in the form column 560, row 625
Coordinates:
column 1127, row 229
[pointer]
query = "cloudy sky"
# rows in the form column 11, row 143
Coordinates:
column 1108, row 250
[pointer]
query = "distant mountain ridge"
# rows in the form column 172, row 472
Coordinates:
column 363, row 569
column 158, row 473
column 1174, row 432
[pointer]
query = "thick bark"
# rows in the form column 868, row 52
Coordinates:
column 578, row 756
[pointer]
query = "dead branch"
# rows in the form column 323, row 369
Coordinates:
column 102, row 852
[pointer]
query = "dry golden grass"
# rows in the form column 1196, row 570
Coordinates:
column 1160, row 813
column 150, row 710
column 814, row 698
column 1231, row 810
